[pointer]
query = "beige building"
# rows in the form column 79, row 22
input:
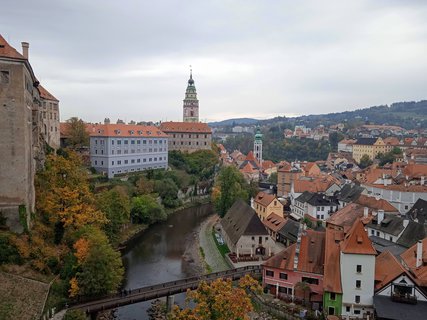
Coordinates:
column 370, row 147
column 266, row 204
column 187, row 136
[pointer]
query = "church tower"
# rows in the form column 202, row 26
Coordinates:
column 258, row 146
column 191, row 104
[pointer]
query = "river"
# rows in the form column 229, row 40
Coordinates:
column 156, row 256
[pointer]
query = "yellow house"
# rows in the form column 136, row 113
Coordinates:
column 265, row 204
column 370, row 147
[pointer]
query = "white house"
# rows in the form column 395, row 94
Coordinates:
column 317, row 205
column 357, row 272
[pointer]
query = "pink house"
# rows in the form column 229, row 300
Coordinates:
column 297, row 271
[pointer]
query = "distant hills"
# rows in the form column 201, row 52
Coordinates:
column 408, row 115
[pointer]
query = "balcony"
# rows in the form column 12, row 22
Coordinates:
column 404, row 298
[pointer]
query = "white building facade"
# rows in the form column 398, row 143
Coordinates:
column 119, row 148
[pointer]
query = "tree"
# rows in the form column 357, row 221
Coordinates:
column 230, row 186
column 63, row 195
column 168, row 191
column 273, row 178
column 365, row 161
column 77, row 134
column 145, row 209
column 99, row 266
column 115, row 204
column 76, row 314
column 144, row 186
column 334, row 138
column 219, row 300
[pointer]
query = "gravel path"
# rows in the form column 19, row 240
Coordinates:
column 212, row 256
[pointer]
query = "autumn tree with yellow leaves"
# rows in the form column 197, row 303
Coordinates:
column 219, row 300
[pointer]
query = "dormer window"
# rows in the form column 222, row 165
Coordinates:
column 131, row 132
column 117, row 131
column 139, row 132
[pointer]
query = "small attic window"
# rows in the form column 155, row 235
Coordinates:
column 117, row 131
column 359, row 239
column 131, row 132
column 139, row 132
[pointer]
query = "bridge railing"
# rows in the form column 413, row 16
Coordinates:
column 162, row 289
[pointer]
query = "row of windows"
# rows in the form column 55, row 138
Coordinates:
column 132, row 161
column 189, row 143
column 133, row 151
column 119, row 162
column 132, row 141
column 284, row 276
column 190, row 136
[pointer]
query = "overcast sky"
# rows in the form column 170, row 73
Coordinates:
column 130, row 59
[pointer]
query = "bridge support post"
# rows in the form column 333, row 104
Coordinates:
column 170, row 301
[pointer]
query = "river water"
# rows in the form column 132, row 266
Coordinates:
column 156, row 256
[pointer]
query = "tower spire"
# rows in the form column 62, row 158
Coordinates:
column 191, row 103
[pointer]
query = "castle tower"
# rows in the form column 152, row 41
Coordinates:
column 258, row 145
column 191, row 104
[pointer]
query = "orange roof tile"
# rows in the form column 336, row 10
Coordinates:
column 409, row 258
column 312, row 185
column 415, row 170
column 187, row 127
column 46, row 94
column 387, row 268
column 357, row 241
column 248, row 168
column 311, row 255
column 7, row 51
column 268, row 164
column 346, row 217
column 274, row 222
column 332, row 274
column 250, row 156
column 125, row 130
column 264, row 199
column 377, row 204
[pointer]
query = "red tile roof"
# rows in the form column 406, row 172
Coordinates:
column 312, row 185
column 346, row 217
column 357, row 241
column 185, row 127
column 274, row 222
column 311, row 256
column 126, row 130
column 376, row 204
column 248, row 168
column 7, row 51
column 332, row 274
column 409, row 258
column 387, row 268
column 264, row 199
column 267, row 164
column 46, row 94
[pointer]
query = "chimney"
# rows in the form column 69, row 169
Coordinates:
column 252, row 203
column 419, row 260
column 107, row 121
column 365, row 212
column 380, row 216
column 422, row 180
column 405, row 223
column 25, row 47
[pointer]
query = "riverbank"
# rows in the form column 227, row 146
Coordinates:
column 134, row 231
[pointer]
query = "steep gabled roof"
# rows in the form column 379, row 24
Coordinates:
column 413, row 232
column 346, row 217
column 357, row 241
column 409, row 259
column 264, row 199
column 7, row 51
column 349, row 192
column 332, row 274
column 387, row 268
column 290, row 230
column 241, row 220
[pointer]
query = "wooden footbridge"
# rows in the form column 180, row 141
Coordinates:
column 160, row 290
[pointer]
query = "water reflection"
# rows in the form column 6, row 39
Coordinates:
column 156, row 256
